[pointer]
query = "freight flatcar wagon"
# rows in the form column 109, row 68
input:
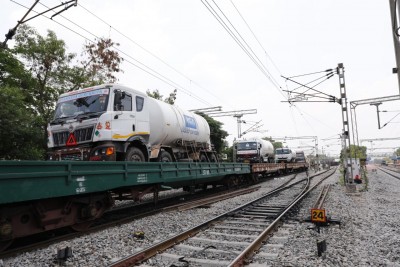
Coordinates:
column 38, row 196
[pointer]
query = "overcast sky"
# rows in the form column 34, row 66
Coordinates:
column 182, row 43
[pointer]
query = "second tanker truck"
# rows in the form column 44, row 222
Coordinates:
column 112, row 122
column 253, row 150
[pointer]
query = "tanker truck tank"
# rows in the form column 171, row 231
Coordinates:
column 170, row 125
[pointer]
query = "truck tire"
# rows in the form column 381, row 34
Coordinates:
column 203, row 158
column 134, row 154
column 165, row 156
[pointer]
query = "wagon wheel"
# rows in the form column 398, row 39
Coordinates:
column 5, row 244
column 83, row 226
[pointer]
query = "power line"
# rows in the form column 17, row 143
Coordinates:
column 311, row 73
column 148, row 51
column 154, row 74
column 250, row 53
column 255, row 37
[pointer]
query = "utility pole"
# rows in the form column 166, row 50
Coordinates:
column 345, row 121
column 396, row 34
column 12, row 31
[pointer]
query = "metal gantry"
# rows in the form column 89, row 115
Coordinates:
column 238, row 114
column 373, row 102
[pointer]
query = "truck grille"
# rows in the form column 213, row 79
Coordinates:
column 82, row 135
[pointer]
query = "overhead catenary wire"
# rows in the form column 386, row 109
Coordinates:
column 326, row 76
column 248, row 52
column 255, row 37
column 142, row 67
column 230, row 32
column 148, row 51
column 390, row 120
column 311, row 73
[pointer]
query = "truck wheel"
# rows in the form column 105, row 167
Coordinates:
column 134, row 154
column 165, row 157
column 203, row 158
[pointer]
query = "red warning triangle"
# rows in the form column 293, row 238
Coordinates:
column 71, row 140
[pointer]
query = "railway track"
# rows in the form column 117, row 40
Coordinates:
column 125, row 214
column 319, row 203
column 230, row 239
column 391, row 172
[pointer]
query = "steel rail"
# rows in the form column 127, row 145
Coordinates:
column 247, row 253
column 151, row 251
column 391, row 174
column 322, row 196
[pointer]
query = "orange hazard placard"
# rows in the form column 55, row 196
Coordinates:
column 71, row 141
column 318, row 215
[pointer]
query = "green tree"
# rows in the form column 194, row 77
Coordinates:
column 228, row 150
column 156, row 94
column 217, row 135
column 359, row 152
column 275, row 144
column 99, row 65
column 47, row 71
column 20, row 135
column 397, row 152
column 49, row 63
column 20, row 132
column 12, row 71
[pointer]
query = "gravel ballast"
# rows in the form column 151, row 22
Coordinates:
column 369, row 234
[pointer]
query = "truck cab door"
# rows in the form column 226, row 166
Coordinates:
column 131, row 115
column 124, row 118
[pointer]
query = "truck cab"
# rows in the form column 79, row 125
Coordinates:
column 89, row 123
column 284, row 155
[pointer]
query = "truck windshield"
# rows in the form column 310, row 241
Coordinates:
column 282, row 151
column 89, row 102
column 247, row 146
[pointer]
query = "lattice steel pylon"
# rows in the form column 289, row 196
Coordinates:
column 347, row 160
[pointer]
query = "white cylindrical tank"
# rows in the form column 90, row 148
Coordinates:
column 267, row 149
column 170, row 123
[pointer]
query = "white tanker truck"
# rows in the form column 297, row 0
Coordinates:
column 112, row 122
column 253, row 150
